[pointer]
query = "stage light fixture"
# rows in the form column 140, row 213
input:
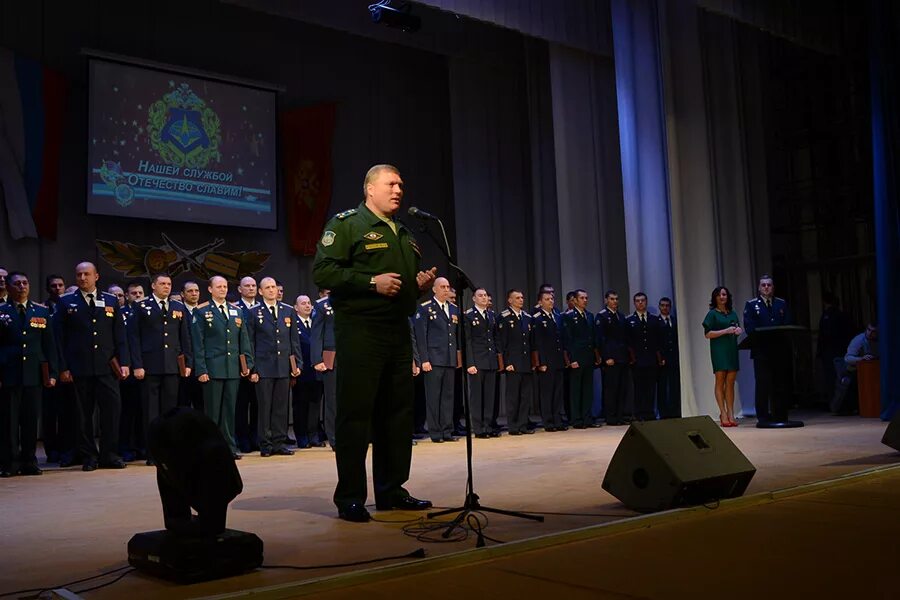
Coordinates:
column 194, row 470
column 396, row 16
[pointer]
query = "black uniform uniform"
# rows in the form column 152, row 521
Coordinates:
column 610, row 344
column 578, row 341
column 437, row 332
column 514, row 343
column 551, row 364
column 645, row 356
column 481, row 353
column 668, row 386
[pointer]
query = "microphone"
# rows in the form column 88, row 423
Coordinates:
column 421, row 214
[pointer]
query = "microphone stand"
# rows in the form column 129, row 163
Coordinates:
column 471, row 503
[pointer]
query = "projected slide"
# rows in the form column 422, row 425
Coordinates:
column 168, row 146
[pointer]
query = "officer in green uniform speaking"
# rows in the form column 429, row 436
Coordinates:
column 370, row 262
column 220, row 339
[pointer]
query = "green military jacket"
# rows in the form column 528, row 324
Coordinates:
column 218, row 343
column 355, row 246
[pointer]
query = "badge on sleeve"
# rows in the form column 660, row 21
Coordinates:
column 328, row 238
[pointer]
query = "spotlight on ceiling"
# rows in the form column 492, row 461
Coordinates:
column 396, row 16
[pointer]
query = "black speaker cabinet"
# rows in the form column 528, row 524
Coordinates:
column 892, row 433
column 676, row 462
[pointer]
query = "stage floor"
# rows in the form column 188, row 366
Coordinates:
column 67, row 524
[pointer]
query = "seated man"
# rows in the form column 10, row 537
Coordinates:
column 862, row 348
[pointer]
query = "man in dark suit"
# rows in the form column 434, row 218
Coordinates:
column 549, row 360
column 275, row 339
column 611, row 349
column 437, row 335
column 160, row 342
column 131, row 426
column 481, row 363
column 322, row 356
column 771, row 362
column 578, row 342
column 58, row 416
column 247, row 409
column 645, row 356
column 307, row 393
column 514, row 343
column 28, row 362
column 90, row 332
column 219, row 339
column 668, row 385
column 190, row 392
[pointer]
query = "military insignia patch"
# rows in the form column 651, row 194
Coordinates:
column 372, row 235
column 328, row 238
column 378, row 246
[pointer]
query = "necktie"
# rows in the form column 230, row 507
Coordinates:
column 644, row 319
column 22, row 311
column 667, row 322
column 162, row 306
column 306, row 323
column 272, row 310
column 768, row 305
column 446, row 310
column 91, row 301
column 224, row 314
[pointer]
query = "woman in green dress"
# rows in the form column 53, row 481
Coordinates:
column 722, row 329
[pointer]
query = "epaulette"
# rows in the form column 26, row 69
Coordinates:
column 285, row 304
column 505, row 313
column 233, row 304
column 254, row 305
column 39, row 304
column 603, row 311
column 203, row 305
column 426, row 303
column 470, row 311
column 452, row 303
column 68, row 294
column 777, row 298
column 569, row 312
column 343, row 215
column 537, row 314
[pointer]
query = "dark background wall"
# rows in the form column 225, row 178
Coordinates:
column 392, row 106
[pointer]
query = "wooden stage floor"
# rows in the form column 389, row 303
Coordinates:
column 67, row 524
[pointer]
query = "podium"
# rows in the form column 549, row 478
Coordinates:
column 868, row 381
column 775, row 345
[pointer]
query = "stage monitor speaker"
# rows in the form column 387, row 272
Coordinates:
column 190, row 559
column 676, row 462
column 892, row 433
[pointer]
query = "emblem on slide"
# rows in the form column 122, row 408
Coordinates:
column 183, row 130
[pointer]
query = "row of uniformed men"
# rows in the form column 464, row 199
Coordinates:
column 547, row 353
column 91, row 340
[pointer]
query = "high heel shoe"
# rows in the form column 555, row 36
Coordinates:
column 733, row 423
column 723, row 422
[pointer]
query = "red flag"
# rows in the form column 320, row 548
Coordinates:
column 306, row 135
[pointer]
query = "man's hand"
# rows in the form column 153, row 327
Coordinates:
column 254, row 378
column 139, row 373
column 416, row 369
column 187, row 371
column 574, row 364
column 868, row 357
column 66, row 376
column 388, row 284
column 542, row 368
column 472, row 371
column 425, row 279
column 426, row 366
column 203, row 378
column 51, row 383
column 510, row 368
column 738, row 331
column 296, row 373
column 610, row 362
column 321, row 368
column 125, row 371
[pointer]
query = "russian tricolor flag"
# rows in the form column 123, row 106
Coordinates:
column 32, row 109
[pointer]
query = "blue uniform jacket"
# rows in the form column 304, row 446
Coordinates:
column 578, row 337
column 274, row 341
column 305, row 337
column 322, row 334
column 25, row 344
column 610, row 338
column 546, row 340
column 156, row 339
column 481, row 345
column 643, row 340
column 514, row 339
column 668, row 340
column 437, row 334
column 756, row 314
column 89, row 339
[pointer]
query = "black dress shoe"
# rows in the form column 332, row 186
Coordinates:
column 528, row 431
column 515, row 433
column 316, row 445
column 113, row 464
column 30, row 470
column 404, row 503
column 89, row 465
column 562, row 428
column 450, row 438
column 437, row 440
column 291, row 442
column 66, row 462
column 237, row 456
column 150, row 462
column 4, row 473
column 265, row 453
column 549, row 428
column 355, row 513
column 282, row 452
column 494, row 434
column 482, row 436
